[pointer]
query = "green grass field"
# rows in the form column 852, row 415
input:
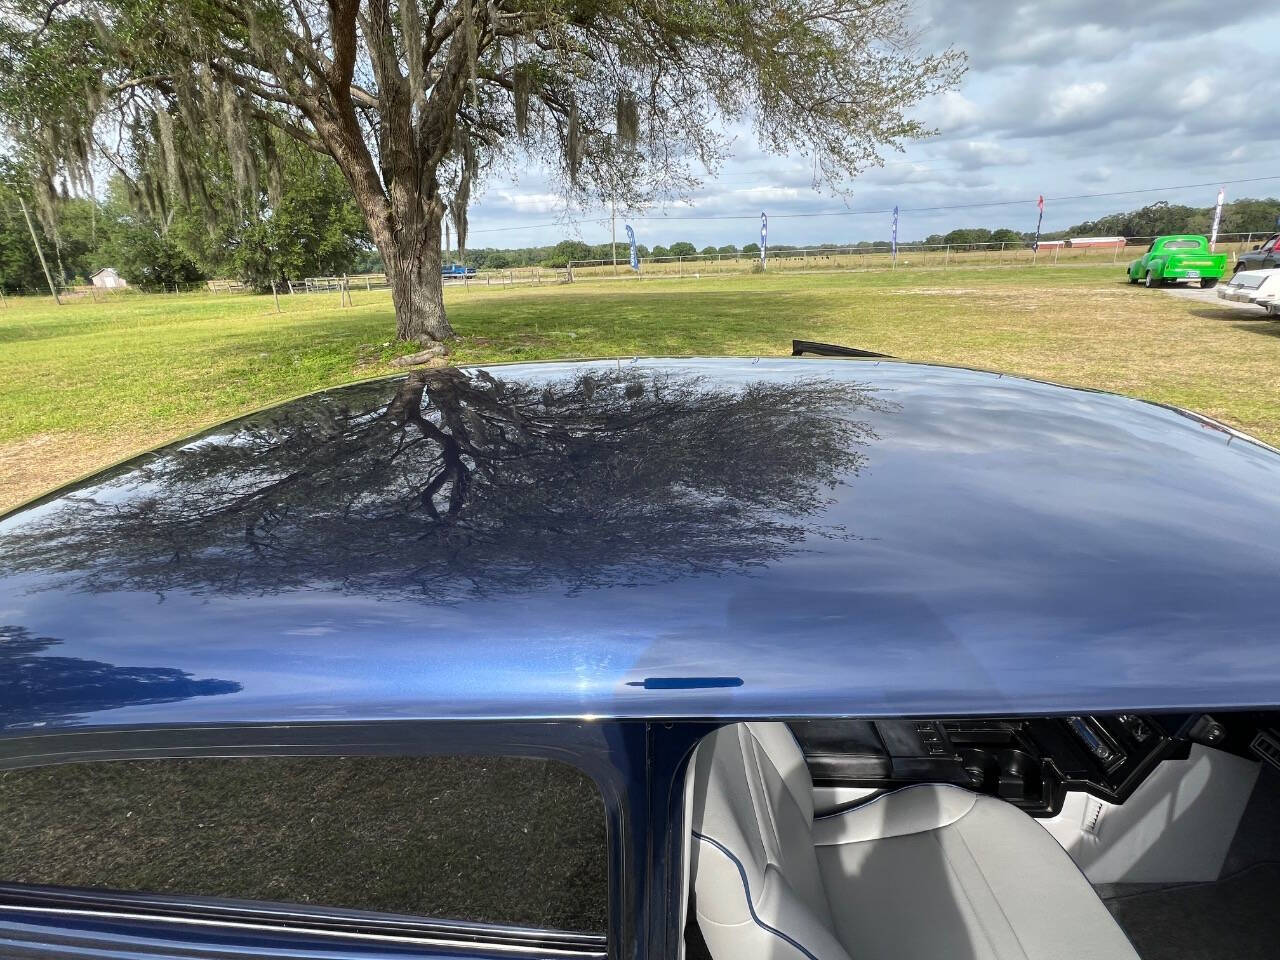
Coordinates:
column 86, row 384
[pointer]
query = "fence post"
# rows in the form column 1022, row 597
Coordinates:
column 44, row 266
column 1055, row 254
column 1115, row 254
column 946, row 260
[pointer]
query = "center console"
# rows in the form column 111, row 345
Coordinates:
column 1031, row 762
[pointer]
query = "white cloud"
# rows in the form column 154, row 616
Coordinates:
column 1197, row 93
column 1076, row 100
column 533, row 202
column 976, row 154
column 950, row 112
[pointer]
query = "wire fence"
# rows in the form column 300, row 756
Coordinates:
column 378, row 281
column 881, row 256
column 826, row 259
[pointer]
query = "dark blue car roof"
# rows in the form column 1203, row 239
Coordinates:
column 655, row 538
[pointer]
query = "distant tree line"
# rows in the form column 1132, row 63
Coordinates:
column 1157, row 219
column 1240, row 216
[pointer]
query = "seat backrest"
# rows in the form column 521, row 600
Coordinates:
column 757, row 890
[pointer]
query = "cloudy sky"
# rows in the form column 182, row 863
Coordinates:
column 1062, row 98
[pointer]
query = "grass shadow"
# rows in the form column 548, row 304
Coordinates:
column 1228, row 314
column 1269, row 330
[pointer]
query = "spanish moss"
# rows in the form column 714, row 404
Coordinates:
column 628, row 120
column 573, row 144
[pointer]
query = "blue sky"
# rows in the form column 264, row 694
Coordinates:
column 1062, row 98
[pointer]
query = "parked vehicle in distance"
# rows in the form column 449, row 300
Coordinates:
column 748, row 658
column 1260, row 287
column 1263, row 256
column 1178, row 257
column 457, row 270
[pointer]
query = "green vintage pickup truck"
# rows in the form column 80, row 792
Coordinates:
column 1179, row 257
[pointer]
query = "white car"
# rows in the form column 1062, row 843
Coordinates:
column 1261, row 287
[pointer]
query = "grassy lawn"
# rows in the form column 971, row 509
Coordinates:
column 86, row 384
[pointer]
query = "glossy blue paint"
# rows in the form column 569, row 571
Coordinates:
column 591, row 539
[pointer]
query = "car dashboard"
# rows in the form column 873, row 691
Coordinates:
column 1030, row 762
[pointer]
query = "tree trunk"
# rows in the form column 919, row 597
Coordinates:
column 402, row 206
column 417, row 293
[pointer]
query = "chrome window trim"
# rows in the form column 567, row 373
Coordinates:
column 7, row 910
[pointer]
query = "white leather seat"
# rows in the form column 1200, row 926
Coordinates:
column 930, row 871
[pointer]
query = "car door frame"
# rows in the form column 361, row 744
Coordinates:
column 616, row 756
column 1270, row 251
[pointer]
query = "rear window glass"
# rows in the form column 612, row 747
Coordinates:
column 1182, row 244
column 515, row 841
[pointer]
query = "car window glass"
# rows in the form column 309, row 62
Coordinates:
column 517, row 841
column 1182, row 245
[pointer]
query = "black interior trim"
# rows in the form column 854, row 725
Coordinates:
column 801, row 347
column 1031, row 761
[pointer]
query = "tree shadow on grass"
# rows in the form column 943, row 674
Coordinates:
column 1267, row 330
column 1228, row 314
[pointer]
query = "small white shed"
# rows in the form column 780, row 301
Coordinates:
column 108, row 278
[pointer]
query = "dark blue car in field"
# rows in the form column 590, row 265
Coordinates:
column 794, row 658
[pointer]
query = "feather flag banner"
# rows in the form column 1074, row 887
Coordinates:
column 1217, row 218
column 764, row 237
column 635, row 251
column 1035, row 246
column 893, row 241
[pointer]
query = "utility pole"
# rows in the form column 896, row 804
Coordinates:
column 613, row 233
column 40, row 253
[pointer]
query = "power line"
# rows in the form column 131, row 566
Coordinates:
column 882, row 212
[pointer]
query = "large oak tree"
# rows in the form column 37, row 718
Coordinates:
column 625, row 99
